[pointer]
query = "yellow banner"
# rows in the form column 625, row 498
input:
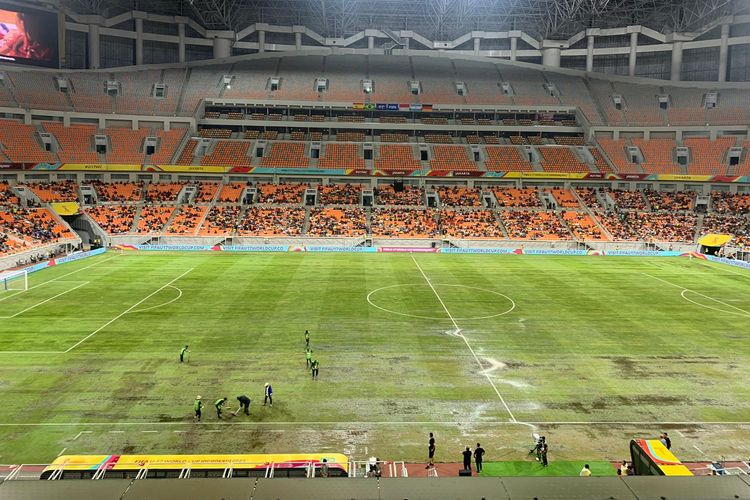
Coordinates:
column 208, row 169
column 689, row 178
column 66, row 208
column 715, row 240
column 100, row 167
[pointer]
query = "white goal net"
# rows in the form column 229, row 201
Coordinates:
column 14, row 280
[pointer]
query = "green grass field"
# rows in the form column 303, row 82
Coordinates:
column 589, row 351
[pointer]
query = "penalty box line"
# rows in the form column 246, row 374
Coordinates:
column 58, row 278
column 105, row 325
column 126, row 311
column 463, row 337
column 80, row 284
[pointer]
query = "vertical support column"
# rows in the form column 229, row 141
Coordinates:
column 94, row 46
column 477, row 44
column 590, row 54
column 138, row 41
column 370, row 42
column 676, row 61
column 181, row 42
column 723, row 53
column 513, row 48
column 551, row 57
column 261, row 41
column 298, row 41
column 632, row 58
column 222, row 47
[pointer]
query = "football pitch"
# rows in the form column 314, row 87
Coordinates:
column 590, row 351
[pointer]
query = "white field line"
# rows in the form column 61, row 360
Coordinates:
column 46, row 300
column 458, row 333
column 699, row 450
column 360, row 423
column 59, row 277
column 62, row 451
column 682, row 294
column 126, row 311
column 160, row 305
column 724, row 267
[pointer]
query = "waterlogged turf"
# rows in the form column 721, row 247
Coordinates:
column 591, row 351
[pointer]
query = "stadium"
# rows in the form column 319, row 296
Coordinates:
column 402, row 249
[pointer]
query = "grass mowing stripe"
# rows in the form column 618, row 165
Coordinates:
column 105, row 325
column 463, row 337
column 46, row 300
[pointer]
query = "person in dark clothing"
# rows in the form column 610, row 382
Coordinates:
column 307, row 339
column 431, row 451
column 219, row 404
column 198, row 407
column 268, row 395
column 315, row 369
column 667, row 441
column 183, row 352
column 543, row 454
column 244, row 404
column 467, row 458
column 478, row 455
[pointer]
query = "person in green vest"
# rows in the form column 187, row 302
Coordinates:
column 197, row 406
column 185, row 352
column 219, row 404
column 315, row 366
column 308, row 357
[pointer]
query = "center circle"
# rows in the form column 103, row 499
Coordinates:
column 424, row 288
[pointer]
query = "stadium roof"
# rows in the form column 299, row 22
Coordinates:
column 434, row 19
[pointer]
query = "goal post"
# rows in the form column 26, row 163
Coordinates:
column 14, row 280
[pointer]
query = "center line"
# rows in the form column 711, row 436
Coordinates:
column 458, row 333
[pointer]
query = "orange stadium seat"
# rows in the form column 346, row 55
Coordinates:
column 163, row 192
column 187, row 220
column 561, row 159
column 286, row 154
column 341, row 156
column 583, row 226
column 615, row 151
column 565, row 197
column 231, row 192
column 283, row 192
column 658, row 155
column 337, row 222
column 397, row 157
column 76, row 142
column 206, row 192
column 451, row 158
column 506, row 159
column 187, row 155
column 50, row 192
column 21, row 143
column 127, row 146
column 168, row 142
column 153, row 218
column 231, row 153
column 708, row 157
column 118, row 191
column 113, row 219
column 272, row 221
column 404, row 223
column 513, row 197
column 470, row 224
column 220, row 221
column 534, row 225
